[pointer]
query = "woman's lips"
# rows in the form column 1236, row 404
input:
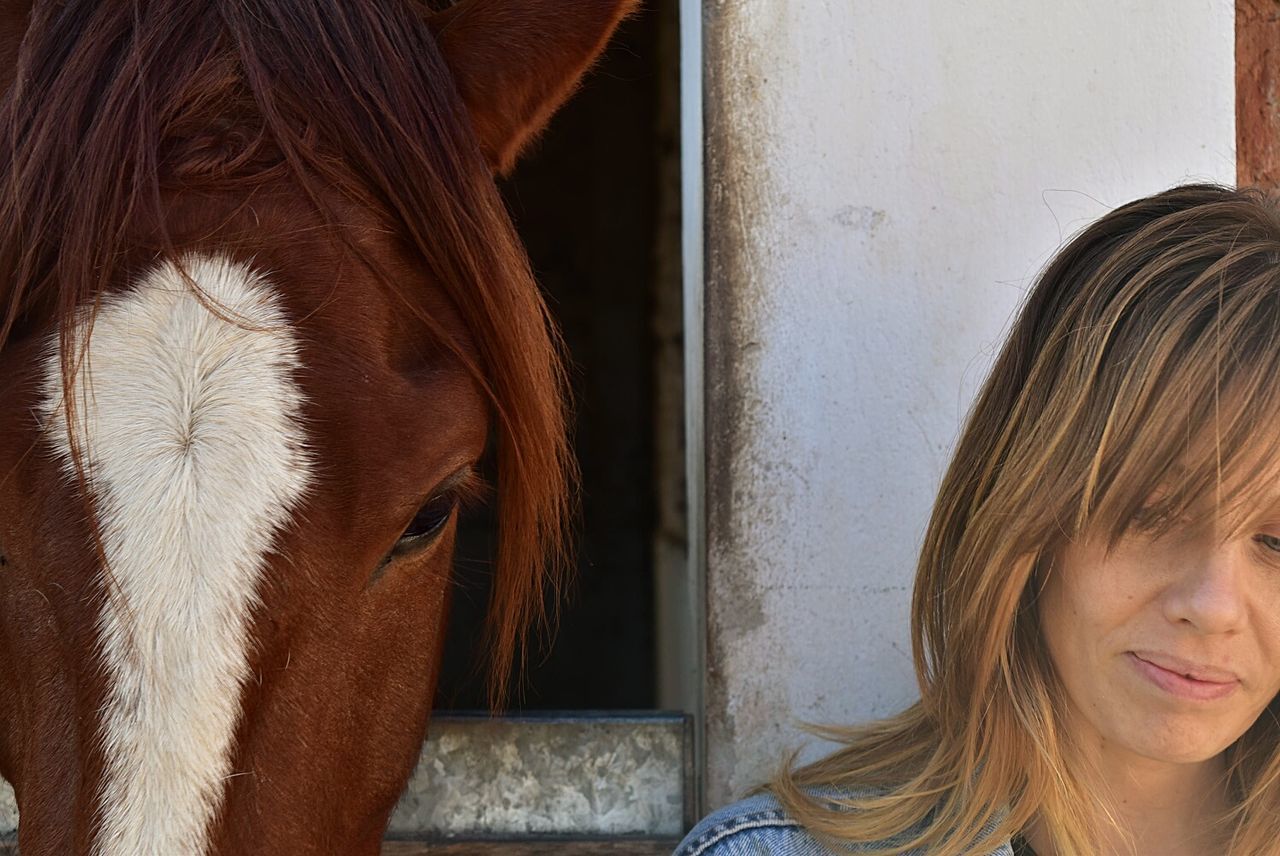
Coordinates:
column 1179, row 684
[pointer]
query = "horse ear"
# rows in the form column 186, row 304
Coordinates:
column 516, row 61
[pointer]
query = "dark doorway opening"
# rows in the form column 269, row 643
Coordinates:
column 596, row 203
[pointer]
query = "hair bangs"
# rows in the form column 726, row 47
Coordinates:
column 1186, row 438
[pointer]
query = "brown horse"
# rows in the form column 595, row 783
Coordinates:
column 261, row 312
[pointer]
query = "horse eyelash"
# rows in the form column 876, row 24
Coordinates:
column 471, row 490
column 467, row 491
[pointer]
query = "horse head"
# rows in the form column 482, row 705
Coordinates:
column 262, row 313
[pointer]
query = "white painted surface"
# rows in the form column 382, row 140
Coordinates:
column 901, row 172
column 189, row 424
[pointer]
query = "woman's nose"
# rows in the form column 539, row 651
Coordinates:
column 1209, row 592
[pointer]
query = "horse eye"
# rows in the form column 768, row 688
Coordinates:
column 430, row 519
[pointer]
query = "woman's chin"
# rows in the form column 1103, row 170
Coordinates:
column 1175, row 739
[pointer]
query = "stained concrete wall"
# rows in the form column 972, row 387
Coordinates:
column 882, row 182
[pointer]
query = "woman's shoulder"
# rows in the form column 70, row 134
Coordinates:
column 756, row 825
column 760, row 826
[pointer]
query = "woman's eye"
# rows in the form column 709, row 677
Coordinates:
column 1271, row 542
column 430, row 519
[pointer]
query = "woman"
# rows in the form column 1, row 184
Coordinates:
column 1096, row 616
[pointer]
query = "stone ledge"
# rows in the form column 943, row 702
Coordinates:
column 577, row 775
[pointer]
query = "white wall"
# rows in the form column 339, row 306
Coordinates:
column 883, row 181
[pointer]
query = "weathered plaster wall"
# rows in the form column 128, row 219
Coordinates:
column 883, row 180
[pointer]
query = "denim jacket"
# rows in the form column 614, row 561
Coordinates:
column 757, row 826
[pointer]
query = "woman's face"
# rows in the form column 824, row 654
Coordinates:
column 1168, row 648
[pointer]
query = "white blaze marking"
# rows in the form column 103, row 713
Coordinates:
column 190, row 428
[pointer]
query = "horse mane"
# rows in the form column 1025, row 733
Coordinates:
column 114, row 104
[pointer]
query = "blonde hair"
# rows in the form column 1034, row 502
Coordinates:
column 1147, row 356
